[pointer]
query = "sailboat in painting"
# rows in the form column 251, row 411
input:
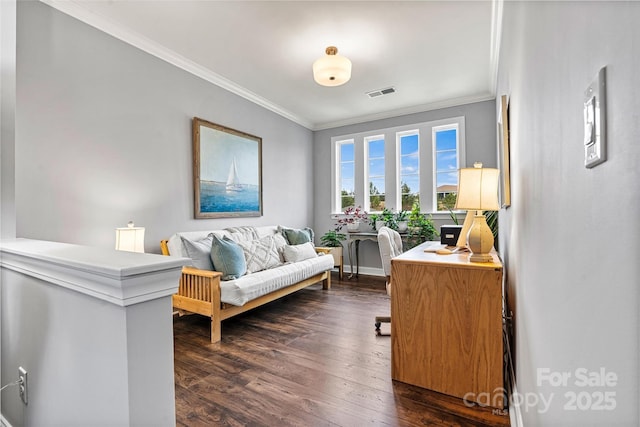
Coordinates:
column 233, row 182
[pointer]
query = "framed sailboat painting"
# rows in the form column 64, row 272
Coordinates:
column 227, row 171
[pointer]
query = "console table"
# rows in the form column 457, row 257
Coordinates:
column 356, row 238
column 446, row 329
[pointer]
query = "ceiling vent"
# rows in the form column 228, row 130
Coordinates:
column 377, row 93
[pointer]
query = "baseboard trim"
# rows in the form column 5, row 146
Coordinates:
column 515, row 412
column 367, row 271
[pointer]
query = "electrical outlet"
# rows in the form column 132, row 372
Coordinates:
column 22, row 377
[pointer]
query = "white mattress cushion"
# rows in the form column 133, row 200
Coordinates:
column 251, row 286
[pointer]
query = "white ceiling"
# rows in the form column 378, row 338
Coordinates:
column 434, row 53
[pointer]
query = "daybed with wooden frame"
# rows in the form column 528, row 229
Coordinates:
column 200, row 292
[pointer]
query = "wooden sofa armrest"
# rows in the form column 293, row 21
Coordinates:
column 200, row 286
column 322, row 250
column 199, row 292
column 164, row 247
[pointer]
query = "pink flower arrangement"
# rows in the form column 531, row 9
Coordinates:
column 352, row 215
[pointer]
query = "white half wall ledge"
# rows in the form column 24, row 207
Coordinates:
column 121, row 278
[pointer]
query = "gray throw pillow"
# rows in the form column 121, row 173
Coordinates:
column 228, row 257
column 297, row 236
column 199, row 251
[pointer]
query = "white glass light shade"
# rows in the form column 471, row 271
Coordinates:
column 130, row 239
column 332, row 69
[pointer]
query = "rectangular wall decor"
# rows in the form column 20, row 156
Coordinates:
column 505, row 166
column 227, row 171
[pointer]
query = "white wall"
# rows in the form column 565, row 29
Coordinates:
column 480, row 131
column 104, row 136
column 571, row 235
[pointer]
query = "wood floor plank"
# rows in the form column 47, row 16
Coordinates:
column 309, row 359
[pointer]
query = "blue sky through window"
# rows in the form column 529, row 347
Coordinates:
column 376, row 164
column 347, row 171
column 410, row 162
column 446, row 157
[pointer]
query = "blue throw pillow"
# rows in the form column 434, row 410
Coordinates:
column 228, row 258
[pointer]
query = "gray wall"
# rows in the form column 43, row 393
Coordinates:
column 571, row 235
column 104, row 136
column 480, row 130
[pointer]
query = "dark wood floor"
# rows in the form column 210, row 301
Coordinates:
column 309, row 359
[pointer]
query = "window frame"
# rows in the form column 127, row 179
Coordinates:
column 434, row 131
column 367, row 172
column 393, row 196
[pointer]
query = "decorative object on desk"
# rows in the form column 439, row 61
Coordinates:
column 227, row 171
column 449, row 234
column 130, row 238
column 352, row 218
column 332, row 69
column 478, row 191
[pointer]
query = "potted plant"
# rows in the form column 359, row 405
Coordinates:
column 421, row 227
column 402, row 219
column 332, row 242
column 332, row 239
column 386, row 218
column 351, row 219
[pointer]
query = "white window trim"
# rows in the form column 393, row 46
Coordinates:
column 336, row 173
column 428, row 201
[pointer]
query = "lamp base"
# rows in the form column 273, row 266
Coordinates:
column 480, row 258
column 480, row 240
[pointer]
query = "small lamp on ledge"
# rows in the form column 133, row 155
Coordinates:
column 478, row 191
column 130, row 238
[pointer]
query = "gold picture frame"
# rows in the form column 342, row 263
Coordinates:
column 503, row 134
column 227, row 172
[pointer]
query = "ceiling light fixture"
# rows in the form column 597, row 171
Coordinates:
column 332, row 69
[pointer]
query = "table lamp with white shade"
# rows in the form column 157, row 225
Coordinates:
column 130, row 238
column 478, row 191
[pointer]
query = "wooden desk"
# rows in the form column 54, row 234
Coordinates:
column 446, row 325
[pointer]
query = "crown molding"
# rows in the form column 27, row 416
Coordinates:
column 75, row 9
column 404, row 111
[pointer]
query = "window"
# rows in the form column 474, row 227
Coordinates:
column 446, row 166
column 375, row 149
column 409, row 170
column 347, row 174
column 396, row 168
